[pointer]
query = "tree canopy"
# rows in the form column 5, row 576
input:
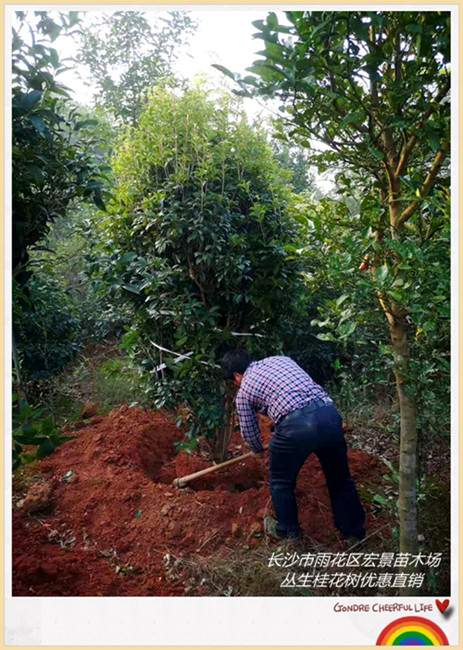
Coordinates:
column 128, row 55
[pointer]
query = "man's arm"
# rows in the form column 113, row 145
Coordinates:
column 248, row 423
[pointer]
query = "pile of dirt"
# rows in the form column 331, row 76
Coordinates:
column 112, row 520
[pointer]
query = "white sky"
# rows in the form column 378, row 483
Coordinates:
column 223, row 36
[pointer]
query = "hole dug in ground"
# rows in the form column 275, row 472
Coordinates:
column 246, row 475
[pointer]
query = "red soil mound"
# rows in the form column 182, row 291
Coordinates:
column 113, row 515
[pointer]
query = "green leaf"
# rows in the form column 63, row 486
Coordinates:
column 272, row 20
column 355, row 117
column 414, row 28
column 326, row 337
column 73, row 18
column 381, row 274
column 224, row 70
column 27, row 438
column 98, row 200
column 131, row 289
column 84, row 123
column 347, row 328
column 376, row 153
column 39, row 124
column 30, row 100
column 341, row 299
column 396, row 295
column 46, row 448
column 270, row 72
column 35, row 173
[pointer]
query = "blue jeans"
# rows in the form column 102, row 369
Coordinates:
column 316, row 428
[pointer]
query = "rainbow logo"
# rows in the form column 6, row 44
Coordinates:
column 412, row 630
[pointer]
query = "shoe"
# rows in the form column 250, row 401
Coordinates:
column 360, row 534
column 353, row 540
column 271, row 529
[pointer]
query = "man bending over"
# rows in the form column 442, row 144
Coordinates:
column 306, row 421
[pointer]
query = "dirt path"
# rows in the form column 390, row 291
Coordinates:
column 112, row 519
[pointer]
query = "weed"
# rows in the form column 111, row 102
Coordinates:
column 32, row 428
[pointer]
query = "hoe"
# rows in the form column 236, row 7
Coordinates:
column 184, row 480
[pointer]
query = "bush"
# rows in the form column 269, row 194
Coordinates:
column 196, row 242
column 348, row 317
column 47, row 330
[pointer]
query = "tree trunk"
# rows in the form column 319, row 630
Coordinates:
column 408, row 437
column 17, row 377
column 224, row 434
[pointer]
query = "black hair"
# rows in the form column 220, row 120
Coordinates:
column 235, row 361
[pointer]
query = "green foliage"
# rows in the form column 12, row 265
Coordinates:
column 344, row 314
column 71, row 257
column 117, row 382
column 374, row 87
column 419, row 278
column 127, row 55
column 55, row 153
column 65, row 303
column 295, row 159
column 47, row 327
column 32, row 428
column 358, row 80
column 197, row 235
column 99, row 374
column 58, row 158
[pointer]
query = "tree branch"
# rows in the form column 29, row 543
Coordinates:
column 194, row 277
column 427, row 185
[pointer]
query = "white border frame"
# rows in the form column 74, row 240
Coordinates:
column 168, row 621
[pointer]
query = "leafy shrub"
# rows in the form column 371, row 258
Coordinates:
column 348, row 316
column 46, row 327
column 56, row 159
column 196, row 242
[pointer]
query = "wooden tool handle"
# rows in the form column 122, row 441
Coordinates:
column 182, row 481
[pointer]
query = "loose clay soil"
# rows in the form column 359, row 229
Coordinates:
column 101, row 517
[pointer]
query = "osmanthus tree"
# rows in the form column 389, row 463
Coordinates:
column 348, row 314
column 373, row 87
column 196, row 240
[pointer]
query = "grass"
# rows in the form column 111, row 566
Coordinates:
column 101, row 376
column 246, row 571
column 242, row 572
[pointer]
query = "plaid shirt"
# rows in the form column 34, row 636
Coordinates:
column 274, row 386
